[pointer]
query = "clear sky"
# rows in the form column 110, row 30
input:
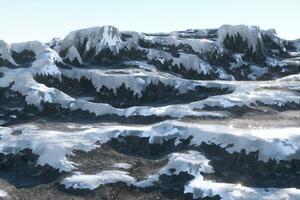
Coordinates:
column 24, row 20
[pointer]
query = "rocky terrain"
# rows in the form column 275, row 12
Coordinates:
column 109, row 114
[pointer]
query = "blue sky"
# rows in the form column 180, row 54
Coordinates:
column 24, row 20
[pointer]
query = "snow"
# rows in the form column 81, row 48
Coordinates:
column 91, row 182
column 257, row 72
column 54, row 146
column 297, row 45
column 202, row 188
column 3, row 193
column 5, row 53
column 191, row 162
column 97, row 38
column 34, row 92
column 200, row 45
column 73, row 54
column 188, row 61
column 163, row 40
column 272, row 62
column 136, row 79
column 272, row 93
column 122, row 165
column 251, row 34
column 36, row 46
column 245, row 93
column 45, row 57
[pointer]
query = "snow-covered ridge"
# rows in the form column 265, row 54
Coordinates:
column 45, row 58
column 97, row 38
column 190, row 55
column 249, row 34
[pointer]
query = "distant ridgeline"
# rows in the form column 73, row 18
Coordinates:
column 229, row 53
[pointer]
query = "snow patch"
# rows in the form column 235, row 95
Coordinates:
column 121, row 165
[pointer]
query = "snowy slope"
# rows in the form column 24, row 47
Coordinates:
column 210, row 113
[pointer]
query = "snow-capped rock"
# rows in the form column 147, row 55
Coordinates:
column 73, row 56
column 5, row 54
column 93, row 39
column 251, row 35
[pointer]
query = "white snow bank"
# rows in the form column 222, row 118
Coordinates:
column 277, row 143
column 202, row 188
column 188, row 61
column 35, row 93
column 91, row 182
column 294, row 77
column 191, row 162
column 45, row 57
column 250, row 93
column 198, row 45
column 134, row 79
column 54, row 146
